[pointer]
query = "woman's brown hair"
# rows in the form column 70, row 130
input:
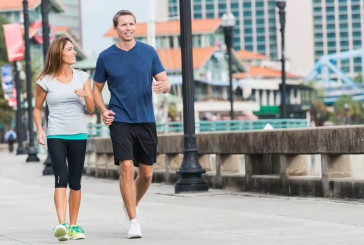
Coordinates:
column 54, row 61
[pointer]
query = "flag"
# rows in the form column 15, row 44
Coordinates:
column 14, row 41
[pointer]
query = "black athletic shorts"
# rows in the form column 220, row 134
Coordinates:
column 134, row 141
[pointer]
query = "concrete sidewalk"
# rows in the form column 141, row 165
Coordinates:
column 27, row 213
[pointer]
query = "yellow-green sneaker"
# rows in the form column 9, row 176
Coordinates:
column 76, row 232
column 60, row 231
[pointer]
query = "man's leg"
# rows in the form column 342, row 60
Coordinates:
column 127, row 187
column 143, row 181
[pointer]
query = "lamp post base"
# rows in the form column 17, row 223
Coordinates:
column 32, row 155
column 191, row 182
column 20, row 151
column 48, row 170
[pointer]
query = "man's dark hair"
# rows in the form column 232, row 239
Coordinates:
column 121, row 13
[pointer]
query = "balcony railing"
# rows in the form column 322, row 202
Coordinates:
column 97, row 130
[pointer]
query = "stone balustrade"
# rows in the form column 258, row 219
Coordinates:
column 270, row 161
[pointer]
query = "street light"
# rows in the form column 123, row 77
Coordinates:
column 190, row 172
column 19, row 121
column 228, row 24
column 48, row 170
column 281, row 5
column 32, row 152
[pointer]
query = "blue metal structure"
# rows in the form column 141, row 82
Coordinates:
column 326, row 65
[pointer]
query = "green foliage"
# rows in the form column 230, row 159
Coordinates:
column 172, row 111
column 348, row 111
column 320, row 112
column 358, row 78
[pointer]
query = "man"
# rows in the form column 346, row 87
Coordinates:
column 10, row 137
column 129, row 67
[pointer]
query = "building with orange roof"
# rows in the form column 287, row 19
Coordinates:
column 13, row 12
column 205, row 32
column 71, row 18
column 256, row 87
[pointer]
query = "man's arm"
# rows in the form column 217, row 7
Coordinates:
column 162, row 84
column 107, row 115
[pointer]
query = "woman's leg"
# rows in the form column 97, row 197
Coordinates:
column 58, row 153
column 76, row 159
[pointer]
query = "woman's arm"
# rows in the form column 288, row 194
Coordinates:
column 37, row 113
column 87, row 95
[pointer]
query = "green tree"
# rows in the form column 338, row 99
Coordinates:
column 320, row 114
column 347, row 111
column 358, row 78
column 6, row 112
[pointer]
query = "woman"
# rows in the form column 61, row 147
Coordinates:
column 66, row 91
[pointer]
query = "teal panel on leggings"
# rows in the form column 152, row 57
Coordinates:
column 68, row 136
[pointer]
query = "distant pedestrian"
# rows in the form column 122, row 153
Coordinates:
column 10, row 137
column 67, row 92
column 129, row 67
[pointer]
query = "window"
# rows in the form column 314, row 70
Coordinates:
column 330, row 9
column 356, row 25
column 210, row 15
column 247, row 5
column 356, row 16
column 331, row 26
column 248, row 39
column 355, row 7
column 260, row 30
column 222, row 6
column 259, row 4
column 260, row 21
column 343, row 26
column 261, row 39
column 247, row 22
column 357, row 43
column 357, row 34
column 197, row 16
column 247, row 13
column 331, row 44
column 210, row 7
column 344, row 34
column 260, row 13
column 329, row 17
column 248, row 31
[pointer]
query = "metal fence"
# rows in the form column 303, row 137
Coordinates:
column 99, row 130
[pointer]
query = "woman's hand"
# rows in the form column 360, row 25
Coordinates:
column 41, row 137
column 81, row 93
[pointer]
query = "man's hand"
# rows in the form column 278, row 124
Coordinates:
column 161, row 86
column 107, row 117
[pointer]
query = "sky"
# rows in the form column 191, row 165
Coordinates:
column 97, row 19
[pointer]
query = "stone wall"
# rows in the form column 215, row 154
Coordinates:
column 270, row 161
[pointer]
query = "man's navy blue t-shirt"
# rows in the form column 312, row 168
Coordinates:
column 129, row 75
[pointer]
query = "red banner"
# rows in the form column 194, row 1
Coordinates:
column 14, row 41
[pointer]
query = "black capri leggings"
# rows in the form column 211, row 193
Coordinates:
column 74, row 152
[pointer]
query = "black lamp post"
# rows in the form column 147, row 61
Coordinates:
column 19, row 121
column 228, row 24
column 281, row 4
column 32, row 152
column 190, row 172
column 48, row 170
